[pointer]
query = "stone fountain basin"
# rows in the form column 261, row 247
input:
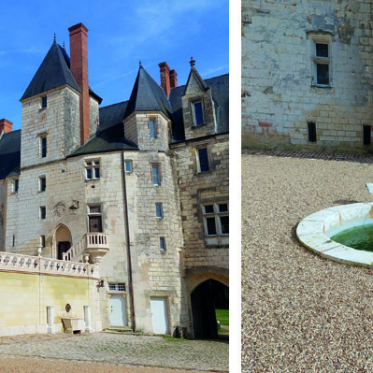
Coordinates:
column 315, row 230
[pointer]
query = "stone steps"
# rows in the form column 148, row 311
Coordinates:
column 121, row 330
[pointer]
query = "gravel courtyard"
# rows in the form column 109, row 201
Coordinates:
column 301, row 313
column 110, row 353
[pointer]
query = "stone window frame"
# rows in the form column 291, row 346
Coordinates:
column 153, row 131
column 162, row 244
column 43, row 145
column 93, row 214
column 159, row 213
column 15, row 185
column 321, row 38
column 42, row 212
column 192, row 102
column 128, row 162
column 215, row 214
column 42, row 186
column 43, row 102
column 91, row 165
column 158, row 167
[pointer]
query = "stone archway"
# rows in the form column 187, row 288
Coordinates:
column 62, row 241
column 203, row 299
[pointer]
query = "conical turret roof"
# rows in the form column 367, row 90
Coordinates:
column 147, row 95
column 53, row 72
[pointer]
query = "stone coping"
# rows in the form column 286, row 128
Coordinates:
column 315, row 230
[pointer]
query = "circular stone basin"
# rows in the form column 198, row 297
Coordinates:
column 315, row 232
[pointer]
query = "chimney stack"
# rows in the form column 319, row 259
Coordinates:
column 165, row 77
column 173, row 79
column 5, row 126
column 79, row 69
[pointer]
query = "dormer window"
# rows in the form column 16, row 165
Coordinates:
column 198, row 113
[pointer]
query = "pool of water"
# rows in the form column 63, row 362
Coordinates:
column 359, row 238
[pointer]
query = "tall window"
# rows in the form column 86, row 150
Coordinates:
column 15, row 185
column 44, row 102
column 311, row 131
column 162, row 243
column 42, row 184
column 94, row 219
column 156, row 175
column 153, row 128
column 216, row 219
column 43, row 146
column 158, row 210
column 92, row 169
column 203, row 160
column 198, row 113
column 42, row 212
column 322, row 64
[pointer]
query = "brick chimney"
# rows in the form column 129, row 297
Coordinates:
column 5, row 125
column 173, row 79
column 165, row 77
column 79, row 69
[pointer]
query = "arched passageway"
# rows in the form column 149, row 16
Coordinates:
column 205, row 298
column 62, row 240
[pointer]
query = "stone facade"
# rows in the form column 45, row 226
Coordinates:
column 307, row 75
column 140, row 200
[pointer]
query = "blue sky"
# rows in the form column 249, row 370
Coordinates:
column 121, row 33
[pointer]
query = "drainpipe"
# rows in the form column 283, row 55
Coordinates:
column 129, row 260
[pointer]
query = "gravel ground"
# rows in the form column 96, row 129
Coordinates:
column 301, row 313
column 108, row 352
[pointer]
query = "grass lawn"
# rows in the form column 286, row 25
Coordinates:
column 223, row 317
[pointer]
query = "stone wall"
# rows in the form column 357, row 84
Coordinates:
column 2, row 213
column 27, row 311
column 202, row 253
column 279, row 93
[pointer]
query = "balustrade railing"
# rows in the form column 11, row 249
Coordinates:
column 37, row 264
column 88, row 241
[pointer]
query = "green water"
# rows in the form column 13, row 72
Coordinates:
column 359, row 238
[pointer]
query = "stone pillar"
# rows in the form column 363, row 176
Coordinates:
column 50, row 319
column 87, row 319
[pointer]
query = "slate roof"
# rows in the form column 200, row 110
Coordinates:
column 147, row 95
column 10, row 150
column 110, row 133
column 53, row 72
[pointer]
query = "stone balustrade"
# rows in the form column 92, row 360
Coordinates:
column 93, row 244
column 38, row 264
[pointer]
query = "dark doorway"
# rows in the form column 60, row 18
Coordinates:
column 63, row 246
column 205, row 298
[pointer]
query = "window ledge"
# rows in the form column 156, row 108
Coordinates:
column 196, row 126
column 321, row 86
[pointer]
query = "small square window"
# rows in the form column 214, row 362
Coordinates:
column 128, row 166
column 43, row 212
column 152, row 128
column 203, row 160
column 162, row 243
column 209, row 209
column 156, row 175
column 158, row 210
column 322, row 50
